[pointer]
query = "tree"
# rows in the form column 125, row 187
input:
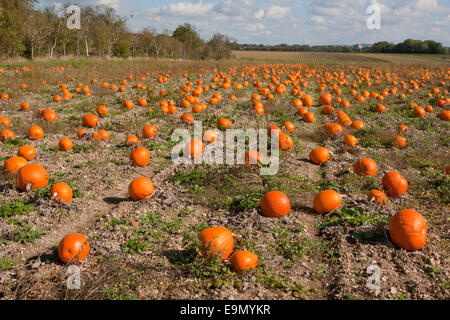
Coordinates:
column 219, row 47
column 190, row 39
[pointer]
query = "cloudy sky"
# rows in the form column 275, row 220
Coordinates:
column 311, row 22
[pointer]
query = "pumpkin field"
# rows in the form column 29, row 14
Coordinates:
column 363, row 183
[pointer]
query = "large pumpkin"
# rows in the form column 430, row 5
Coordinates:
column 216, row 240
column 73, row 248
column 31, row 176
column 408, row 229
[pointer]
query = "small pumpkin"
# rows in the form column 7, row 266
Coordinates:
column 399, row 142
column 365, row 167
column 65, row 144
column 275, row 204
column 210, row 136
column 216, row 240
column 5, row 122
column 35, row 133
column 90, row 120
column 243, row 260
column 308, row 117
column 61, row 193
column 319, row 155
column 132, row 140
column 14, row 164
column 326, row 201
column 141, row 188
column 224, row 123
column 350, row 140
column 253, row 157
column 140, row 157
column 285, row 141
column 395, row 184
column 289, row 126
column 194, row 148
column 73, row 248
column 7, row 134
column 408, row 230
column 27, row 152
column 149, row 131
column 333, row 129
column 376, row 196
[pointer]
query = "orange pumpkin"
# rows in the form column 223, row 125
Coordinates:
column 35, row 133
column 140, row 157
column 275, row 204
column 216, row 240
column 14, row 164
column 365, row 167
column 31, row 176
column 132, row 140
column 308, row 117
column 395, row 184
column 27, row 152
column 73, row 248
column 333, row 129
column 65, row 144
column 7, row 134
column 90, row 120
column 253, row 157
column 350, row 140
column 141, row 188
column 319, row 155
column 326, row 201
column 285, row 141
column 210, row 136
column 290, row 127
column 224, row 123
column 445, row 115
column 325, row 99
column 376, row 196
column 243, row 260
column 408, row 230
column 194, row 148
column 61, row 193
column 399, row 142
column 149, row 131
column 102, row 110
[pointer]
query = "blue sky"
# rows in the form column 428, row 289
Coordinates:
column 311, row 22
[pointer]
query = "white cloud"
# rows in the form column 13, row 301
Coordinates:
column 276, row 12
column 190, row 9
column 259, row 14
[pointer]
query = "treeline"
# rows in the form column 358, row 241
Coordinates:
column 407, row 46
column 29, row 32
